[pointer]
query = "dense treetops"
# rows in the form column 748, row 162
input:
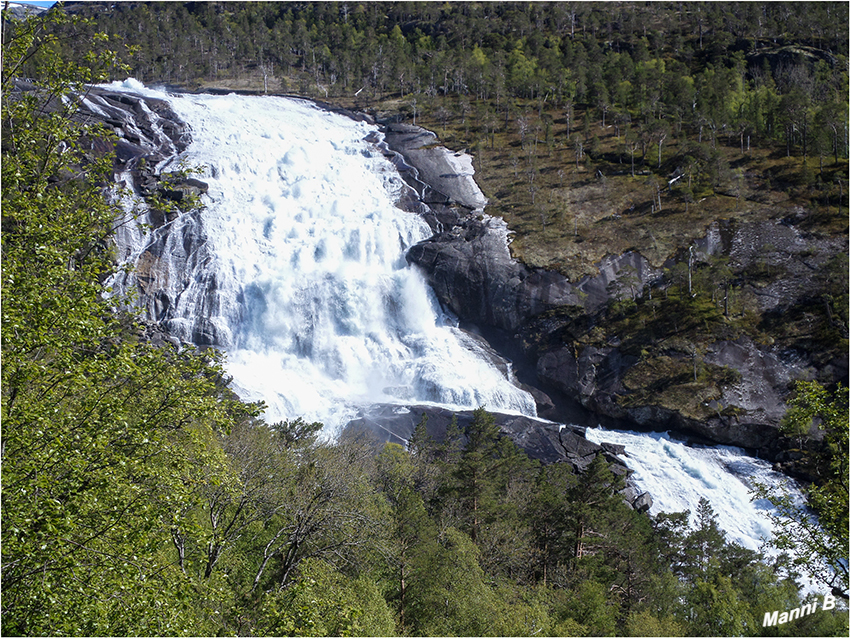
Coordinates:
column 721, row 64
column 769, row 71
column 616, row 53
column 664, row 90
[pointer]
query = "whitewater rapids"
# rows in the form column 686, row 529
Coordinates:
column 314, row 303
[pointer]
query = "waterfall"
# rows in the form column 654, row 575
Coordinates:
column 677, row 475
column 295, row 267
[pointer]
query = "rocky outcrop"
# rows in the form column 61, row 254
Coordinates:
column 473, row 273
column 147, row 131
column 471, row 270
column 442, row 176
column 147, row 134
column 541, row 316
column 179, row 188
column 543, row 441
column 746, row 414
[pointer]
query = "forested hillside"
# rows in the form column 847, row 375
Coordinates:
column 140, row 498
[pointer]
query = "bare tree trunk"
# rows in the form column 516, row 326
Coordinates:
column 660, row 142
column 690, row 268
column 179, row 543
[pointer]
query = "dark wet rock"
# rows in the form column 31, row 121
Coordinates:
column 474, row 275
column 543, row 441
column 748, row 411
column 629, row 494
column 154, row 334
column 613, row 448
column 396, row 424
column 765, row 379
column 643, row 502
column 141, row 131
column 148, row 135
column 147, row 129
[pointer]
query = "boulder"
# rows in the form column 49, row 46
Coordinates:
column 643, row 502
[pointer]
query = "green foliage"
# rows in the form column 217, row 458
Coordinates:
column 486, row 465
column 520, row 611
column 819, row 545
column 297, row 432
column 102, row 435
column 449, row 593
column 549, row 511
column 140, row 498
column 644, row 623
column 590, row 606
column 714, row 608
column 324, row 602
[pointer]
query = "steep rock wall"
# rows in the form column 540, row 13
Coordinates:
column 541, row 315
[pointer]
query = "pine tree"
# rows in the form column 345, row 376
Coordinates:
column 487, row 464
column 592, row 498
column 819, row 546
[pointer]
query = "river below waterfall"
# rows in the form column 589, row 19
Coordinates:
column 296, row 268
column 677, row 475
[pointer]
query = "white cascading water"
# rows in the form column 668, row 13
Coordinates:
column 678, row 475
column 314, row 303
column 320, row 314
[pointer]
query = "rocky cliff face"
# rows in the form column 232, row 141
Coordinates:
column 148, row 138
column 473, row 273
column 546, row 319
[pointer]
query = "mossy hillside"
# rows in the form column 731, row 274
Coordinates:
column 568, row 214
